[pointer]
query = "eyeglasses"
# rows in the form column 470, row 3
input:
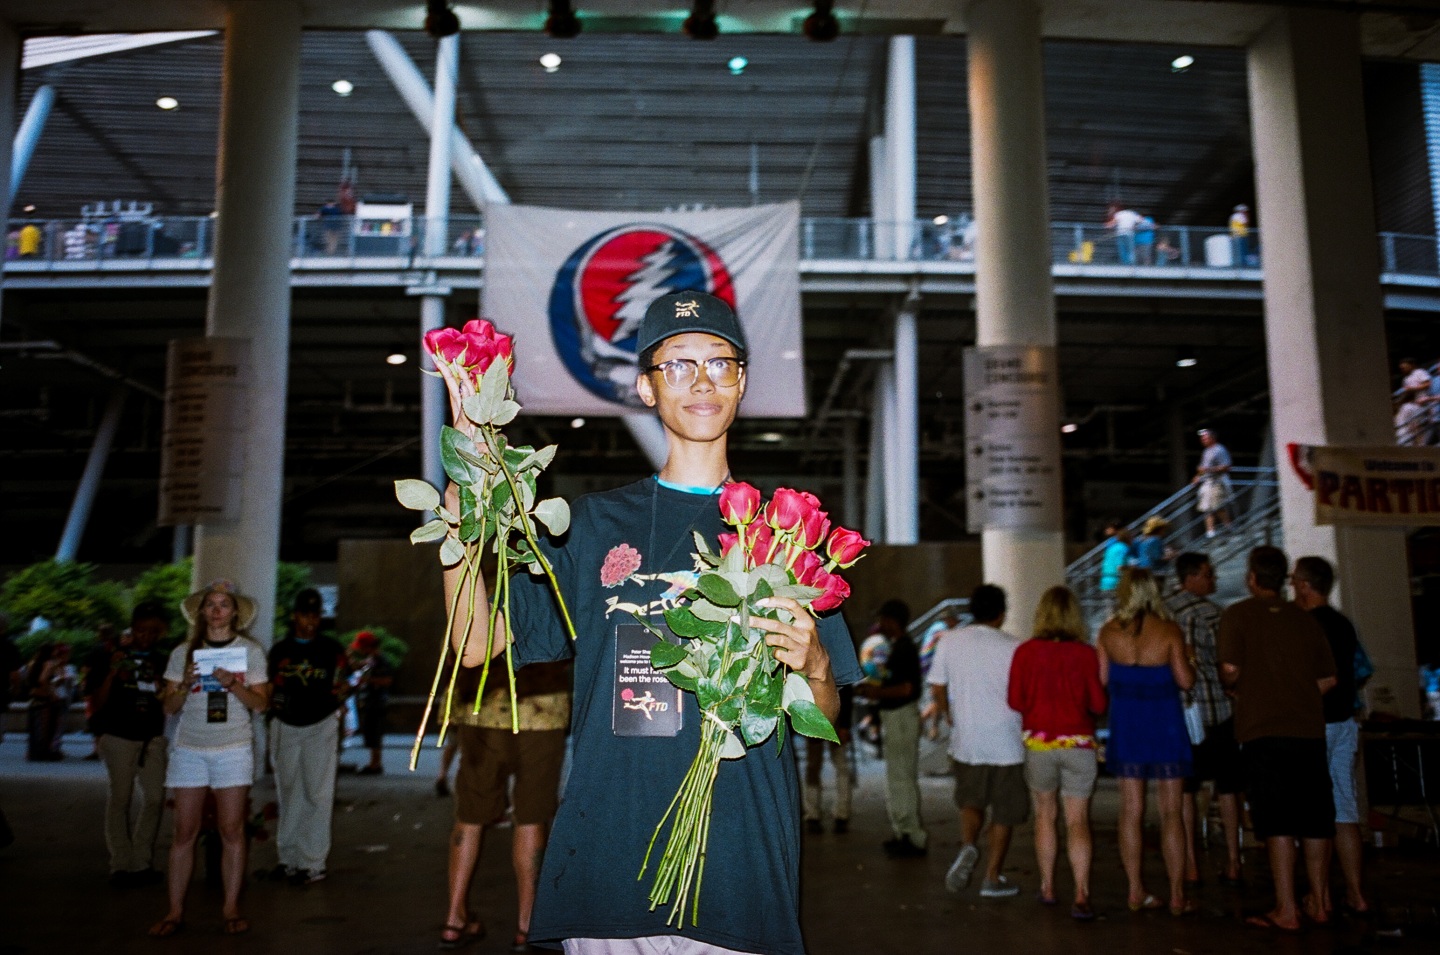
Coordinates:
column 682, row 372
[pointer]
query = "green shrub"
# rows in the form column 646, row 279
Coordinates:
column 167, row 585
column 82, row 642
column 65, row 594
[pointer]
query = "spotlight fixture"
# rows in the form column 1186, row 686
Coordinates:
column 440, row 20
column 1185, row 358
column 343, row 87
column 737, row 65
column 1182, row 63
column 551, row 62
column 821, row 26
column 701, row 24
column 167, row 103
column 1069, row 427
column 562, row 23
column 395, row 358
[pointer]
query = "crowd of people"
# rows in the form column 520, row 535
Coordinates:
column 1258, row 700
column 1417, row 404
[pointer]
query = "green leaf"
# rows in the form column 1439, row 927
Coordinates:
column 702, row 546
column 484, row 405
column 706, row 610
column 505, row 413
column 539, row 460
column 682, row 679
column 554, row 513
column 756, row 727
column 416, row 495
column 806, row 719
column 717, row 590
column 708, row 692
column 458, row 467
column 734, row 561
column 666, row 654
column 431, row 531
column 741, row 582
column 796, row 688
column 451, row 552
column 683, row 623
column 729, row 709
column 732, row 748
column 780, row 736
column 773, row 574
column 469, row 527
column 799, row 592
column 472, row 454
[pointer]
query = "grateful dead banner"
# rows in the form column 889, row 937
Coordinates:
column 1386, row 486
column 572, row 287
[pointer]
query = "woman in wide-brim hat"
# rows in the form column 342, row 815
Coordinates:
column 214, row 744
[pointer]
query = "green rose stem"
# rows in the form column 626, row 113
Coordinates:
column 471, row 568
column 527, row 529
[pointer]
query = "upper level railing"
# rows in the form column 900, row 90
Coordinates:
column 134, row 241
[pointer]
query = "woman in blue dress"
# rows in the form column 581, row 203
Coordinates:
column 1145, row 665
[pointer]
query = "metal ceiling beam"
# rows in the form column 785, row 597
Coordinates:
column 27, row 136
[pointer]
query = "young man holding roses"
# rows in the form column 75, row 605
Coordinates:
column 629, row 552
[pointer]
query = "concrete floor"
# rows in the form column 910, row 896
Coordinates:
column 385, row 890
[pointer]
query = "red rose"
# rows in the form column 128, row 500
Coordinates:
column 727, row 542
column 808, row 569
column 480, row 328
column 813, row 529
column 836, row 590
column 760, row 539
column 844, row 546
column 786, row 510
column 445, row 343
column 739, row 503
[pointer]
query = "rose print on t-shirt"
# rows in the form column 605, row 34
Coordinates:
column 622, row 561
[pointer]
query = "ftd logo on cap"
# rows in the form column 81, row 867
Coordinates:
column 690, row 309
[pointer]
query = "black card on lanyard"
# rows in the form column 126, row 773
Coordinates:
column 645, row 702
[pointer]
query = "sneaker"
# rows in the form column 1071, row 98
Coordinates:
column 842, row 826
column 1001, row 888
column 962, row 868
column 281, row 873
column 306, row 876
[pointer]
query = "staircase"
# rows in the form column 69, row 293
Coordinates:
column 1255, row 520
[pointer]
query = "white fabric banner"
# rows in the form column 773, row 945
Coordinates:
column 1380, row 486
column 572, row 287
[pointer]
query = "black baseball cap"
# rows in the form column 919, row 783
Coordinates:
column 308, row 601
column 681, row 312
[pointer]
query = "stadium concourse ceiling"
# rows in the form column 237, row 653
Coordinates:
column 1390, row 27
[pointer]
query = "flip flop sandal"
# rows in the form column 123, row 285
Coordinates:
column 237, row 926
column 166, row 928
column 458, row 936
column 1269, row 924
column 1147, row 904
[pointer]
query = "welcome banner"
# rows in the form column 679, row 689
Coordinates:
column 1386, row 486
column 572, row 287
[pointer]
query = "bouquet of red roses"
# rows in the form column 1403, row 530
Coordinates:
column 744, row 693
column 498, row 505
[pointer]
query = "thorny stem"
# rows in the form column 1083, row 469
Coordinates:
column 467, row 575
column 523, row 519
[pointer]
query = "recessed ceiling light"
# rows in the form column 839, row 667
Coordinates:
column 737, row 65
column 941, row 220
column 1182, row 63
column 1069, row 427
column 770, row 437
column 343, row 87
column 577, row 422
column 30, row 207
column 1186, row 362
column 551, row 62
column 396, row 358
column 167, row 102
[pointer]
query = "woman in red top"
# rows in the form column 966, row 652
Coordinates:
column 1055, row 686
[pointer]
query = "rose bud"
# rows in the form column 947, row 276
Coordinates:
column 480, row 328
column 727, row 542
column 786, row 510
column 739, row 503
column 762, row 540
column 813, row 529
column 505, row 348
column 844, row 546
column 808, row 569
column 836, row 590
column 445, row 344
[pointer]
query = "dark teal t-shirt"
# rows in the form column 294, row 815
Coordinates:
column 628, row 548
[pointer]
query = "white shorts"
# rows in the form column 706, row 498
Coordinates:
column 1342, row 743
column 213, row 768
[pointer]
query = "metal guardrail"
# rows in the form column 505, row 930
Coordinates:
column 138, row 239
column 1255, row 520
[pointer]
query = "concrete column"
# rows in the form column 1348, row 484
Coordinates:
column 434, row 411
column 84, row 500
column 849, row 475
column 1324, row 324
column 1014, row 297
column 882, row 202
column 902, row 462
column 250, row 287
column 9, row 78
column 875, row 475
column 900, row 141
